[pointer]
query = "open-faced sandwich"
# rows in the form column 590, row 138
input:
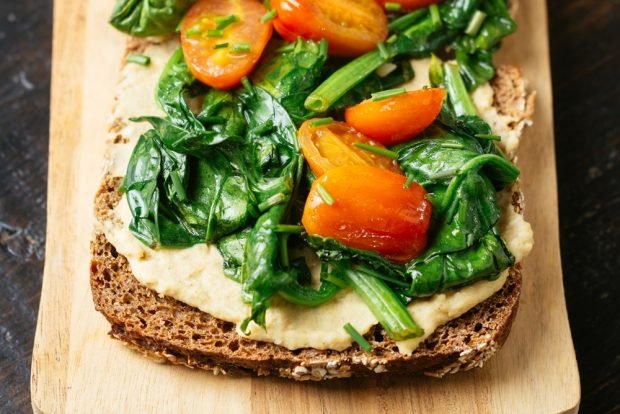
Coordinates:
column 334, row 198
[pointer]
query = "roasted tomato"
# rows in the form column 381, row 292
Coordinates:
column 370, row 209
column 221, row 57
column 329, row 146
column 397, row 119
column 409, row 5
column 352, row 27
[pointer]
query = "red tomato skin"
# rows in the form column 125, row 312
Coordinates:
column 373, row 210
column 222, row 69
column 309, row 19
column 398, row 119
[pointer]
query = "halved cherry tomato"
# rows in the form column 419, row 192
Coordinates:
column 372, row 210
column 223, row 68
column 397, row 119
column 409, row 5
column 329, row 146
column 352, row 27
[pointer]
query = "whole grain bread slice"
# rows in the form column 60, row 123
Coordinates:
column 171, row 331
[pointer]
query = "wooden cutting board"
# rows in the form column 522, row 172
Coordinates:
column 76, row 368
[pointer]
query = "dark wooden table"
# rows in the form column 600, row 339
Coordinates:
column 585, row 52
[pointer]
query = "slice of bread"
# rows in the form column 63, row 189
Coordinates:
column 170, row 331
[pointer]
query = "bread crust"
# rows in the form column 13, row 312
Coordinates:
column 167, row 330
column 170, row 331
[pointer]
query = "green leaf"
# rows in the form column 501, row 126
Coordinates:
column 148, row 17
column 486, row 259
column 290, row 71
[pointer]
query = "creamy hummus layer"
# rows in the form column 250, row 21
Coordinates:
column 195, row 275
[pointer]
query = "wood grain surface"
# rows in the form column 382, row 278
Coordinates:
column 585, row 52
column 77, row 369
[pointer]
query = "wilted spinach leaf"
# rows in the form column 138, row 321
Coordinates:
column 148, row 17
column 181, row 130
column 291, row 72
column 485, row 259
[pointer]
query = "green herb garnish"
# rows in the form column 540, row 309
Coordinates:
column 225, row 21
column 357, row 337
column 139, row 59
column 321, row 121
column 476, row 21
column 268, row 16
column 240, row 47
column 377, row 150
column 327, row 197
column 390, row 93
column 221, row 45
column 389, row 6
column 215, row 33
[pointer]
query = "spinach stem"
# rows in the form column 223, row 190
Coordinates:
column 384, row 304
column 457, row 92
column 343, row 80
column 307, row 296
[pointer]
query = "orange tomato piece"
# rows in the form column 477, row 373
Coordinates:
column 352, row 27
column 372, row 210
column 409, row 5
column 329, row 146
column 223, row 68
column 394, row 120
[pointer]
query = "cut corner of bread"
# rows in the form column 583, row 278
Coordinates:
column 168, row 330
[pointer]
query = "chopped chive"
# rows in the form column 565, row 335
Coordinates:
column 327, row 197
column 409, row 181
column 377, row 150
column 357, row 337
column 288, row 228
column 286, row 48
column 343, row 80
column 271, row 201
column 435, row 71
column 405, row 21
column 139, row 59
column 490, row 137
column 215, row 33
column 240, row 47
column 391, row 39
column 221, row 45
column 383, row 50
column 225, row 21
column 475, row 23
column 389, row 93
column 194, row 30
column 247, row 85
column 268, row 16
column 435, row 17
column 389, row 6
column 321, row 121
